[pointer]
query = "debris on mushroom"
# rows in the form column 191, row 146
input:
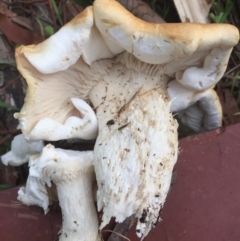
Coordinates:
column 21, row 150
column 73, row 174
column 129, row 82
column 36, row 192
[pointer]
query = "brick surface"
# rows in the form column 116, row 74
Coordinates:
column 203, row 203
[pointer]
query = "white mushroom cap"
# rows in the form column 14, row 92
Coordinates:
column 158, row 43
column 186, row 52
column 214, row 66
column 21, row 150
column 64, row 48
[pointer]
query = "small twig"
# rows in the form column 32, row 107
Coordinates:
column 64, row 12
column 231, row 77
column 10, row 132
column 122, row 236
column 2, row 126
column 120, row 230
column 4, row 139
column 56, row 11
column 10, row 83
column 232, row 69
column 24, row 2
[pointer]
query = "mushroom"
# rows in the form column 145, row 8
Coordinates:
column 36, row 192
column 126, row 69
column 73, row 126
column 21, row 150
column 73, row 174
column 197, row 110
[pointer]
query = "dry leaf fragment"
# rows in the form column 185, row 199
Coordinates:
column 5, row 11
column 17, row 34
column 25, row 22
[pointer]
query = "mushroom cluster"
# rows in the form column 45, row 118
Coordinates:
column 109, row 76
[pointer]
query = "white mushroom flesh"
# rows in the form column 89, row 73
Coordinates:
column 36, row 192
column 73, row 174
column 206, row 77
column 137, row 145
column 74, row 127
column 63, row 53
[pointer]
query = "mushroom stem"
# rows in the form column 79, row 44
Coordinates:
column 77, row 210
column 73, row 174
column 137, row 145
